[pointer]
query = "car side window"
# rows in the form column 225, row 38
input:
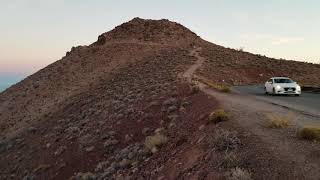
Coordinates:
column 270, row 81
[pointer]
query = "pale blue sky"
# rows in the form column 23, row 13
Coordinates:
column 35, row 33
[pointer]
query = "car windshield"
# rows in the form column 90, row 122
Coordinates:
column 283, row 81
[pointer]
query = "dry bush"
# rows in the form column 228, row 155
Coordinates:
column 239, row 174
column 194, row 88
column 218, row 86
column 224, row 140
column 310, row 133
column 279, row 121
column 218, row 116
column 155, row 141
column 229, row 160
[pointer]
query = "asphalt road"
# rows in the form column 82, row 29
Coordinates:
column 308, row 103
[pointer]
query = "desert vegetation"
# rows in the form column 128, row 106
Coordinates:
column 155, row 141
column 238, row 174
column 310, row 133
column 224, row 140
column 279, row 121
column 217, row 116
column 218, row 86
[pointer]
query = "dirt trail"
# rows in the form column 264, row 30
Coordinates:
column 189, row 73
column 250, row 114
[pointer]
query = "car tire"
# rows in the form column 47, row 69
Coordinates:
column 297, row 95
column 265, row 91
column 273, row 92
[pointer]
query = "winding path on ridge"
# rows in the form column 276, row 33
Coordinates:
column 250, row 114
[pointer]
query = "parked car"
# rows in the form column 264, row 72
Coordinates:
column 282, row 85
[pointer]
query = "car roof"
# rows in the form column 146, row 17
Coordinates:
column 280, row 78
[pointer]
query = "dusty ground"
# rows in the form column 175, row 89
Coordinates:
column 88, row 115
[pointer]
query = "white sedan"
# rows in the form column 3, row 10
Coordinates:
column 282, row 85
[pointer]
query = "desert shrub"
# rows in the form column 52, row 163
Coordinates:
column 218, row 86
column 155, row 141
column 238, row 174
column 194, row 88
column 224, row 140
column 218, row 116
column 85, row 176
column 310, row 133
column 279, row 121
column 229, row 160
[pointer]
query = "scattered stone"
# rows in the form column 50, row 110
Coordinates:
column 173, row 117
column 131, row 155
column 124, row 163
column 32, row 130
column 112, row 133
column 19, row 140
column 60, row 150
column 29, row 177
column 201, row 127
column 170, row 101
column 128, row 137
column 85, row 176
column 89, row 149
column 159, row 131
column 110, row 142
column 41, row 168
column 73, row 130
column 172, row 109
column 2, row 146
column 86, row 140
column 146, row 131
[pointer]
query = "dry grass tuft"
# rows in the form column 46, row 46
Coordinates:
column 279, row 121
column 310, row 133
column 229, row 160
column 155, row 141
column 218, row 86
column 218, row 116
column 224, row 140
column 239, row 174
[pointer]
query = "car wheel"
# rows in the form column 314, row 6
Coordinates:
column 297, row 95
column 273, row 91
column 265, row 91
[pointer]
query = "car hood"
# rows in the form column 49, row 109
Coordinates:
column 287, row 85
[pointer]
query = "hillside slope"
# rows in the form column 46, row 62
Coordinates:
column 92, row 110
column 241, row 68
